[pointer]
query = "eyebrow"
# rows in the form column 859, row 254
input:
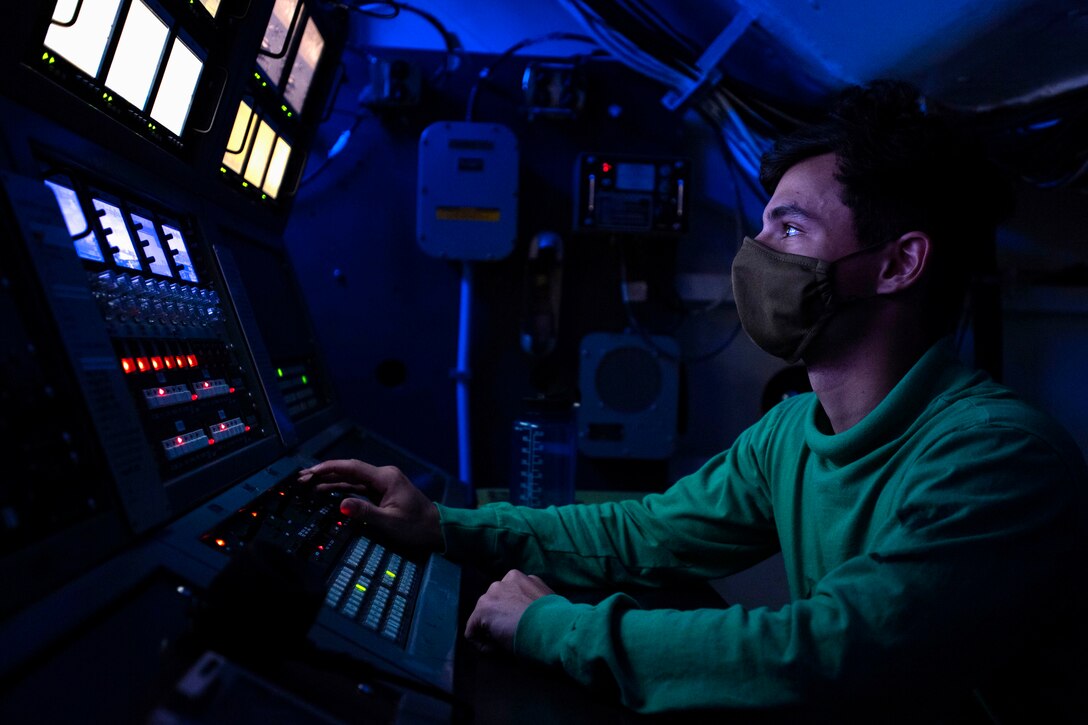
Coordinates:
column 793, row 210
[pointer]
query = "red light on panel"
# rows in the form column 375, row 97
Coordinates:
column 211, row 441
column 606, row 167
column 247, row 429
column 156, row 363
column 168, row 362
column 232, row 390
column 179, row 441
column 207, row 385
column 128, row 365
column 161, row 391
column 222, row 426
column 142, row 364
column 196, row 397
column 179, row 360
column 191, row 359
column 220, row 542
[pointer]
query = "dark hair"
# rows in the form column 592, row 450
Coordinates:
column 905, row 167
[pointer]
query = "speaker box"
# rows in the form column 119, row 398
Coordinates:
column 630, row 391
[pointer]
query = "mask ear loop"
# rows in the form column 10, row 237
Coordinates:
column 837, row 278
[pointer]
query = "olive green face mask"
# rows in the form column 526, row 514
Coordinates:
column 785, row 300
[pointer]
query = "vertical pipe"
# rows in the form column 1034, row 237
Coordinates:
column 463, row 376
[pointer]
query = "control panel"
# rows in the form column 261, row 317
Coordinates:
column 631, row 194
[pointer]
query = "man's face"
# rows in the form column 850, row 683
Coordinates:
column 806, row 215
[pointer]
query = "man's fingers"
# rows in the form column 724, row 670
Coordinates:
column 475, row 628
column 355, row 508
column 342, row 486
column 350, row 470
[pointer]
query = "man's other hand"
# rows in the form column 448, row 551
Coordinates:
column 495, row 620
column 385, row 500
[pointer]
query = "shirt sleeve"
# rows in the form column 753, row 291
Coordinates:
column 713, row 523
column 970, row 569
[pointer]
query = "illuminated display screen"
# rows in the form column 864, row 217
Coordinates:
column 259, row 154
column 277, row 38
column 117, row 236
column 156, row 258
column 276, row 168
column 83, row 237
column 175, row 242
column 175, row 96
column 212, row 6
column 134, row 66
column 635, row 177
column 240, row 136
column 81, row 30
column 302, row 71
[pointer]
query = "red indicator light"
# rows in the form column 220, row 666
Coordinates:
column 247, row 429
column 179, row 441
column 207, row 385
column 196, row 397
column 161, row 391
column 232, row 390
column 128, row 365
column 156, row 363
column 211, row 441
column 282, row 493
column 142, row 365
column 168, row 362
column 220, row 542
column 321, row 548
column 606, row 167
column 222, row 426
column 339, row 523
column 179, row 360
column 254, row 514
column 191, row 360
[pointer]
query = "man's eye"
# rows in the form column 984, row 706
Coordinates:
column 790, row 231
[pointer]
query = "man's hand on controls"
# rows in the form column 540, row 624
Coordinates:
column 384, row 499
column 495, row 620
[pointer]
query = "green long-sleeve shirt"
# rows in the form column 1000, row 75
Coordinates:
column 933, row 548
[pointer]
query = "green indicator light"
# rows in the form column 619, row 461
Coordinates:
column 245, row 184
column 45, row 55
column 223, row 169
column 390, row 574
column 290, row 114
column 52, row 60
column 305, row 380
column 257, row 76
column 264, row 196
column 279, row 371
column 283, row 107
column 264, row 84
column 360, row 587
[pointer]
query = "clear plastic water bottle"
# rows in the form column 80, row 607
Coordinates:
column 544, row 454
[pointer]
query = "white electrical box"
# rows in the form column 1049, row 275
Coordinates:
column 468, row 191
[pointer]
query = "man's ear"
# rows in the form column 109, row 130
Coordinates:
column 905, row 262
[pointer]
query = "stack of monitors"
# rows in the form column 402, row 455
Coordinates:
column 134, row 55
column 260, row 145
